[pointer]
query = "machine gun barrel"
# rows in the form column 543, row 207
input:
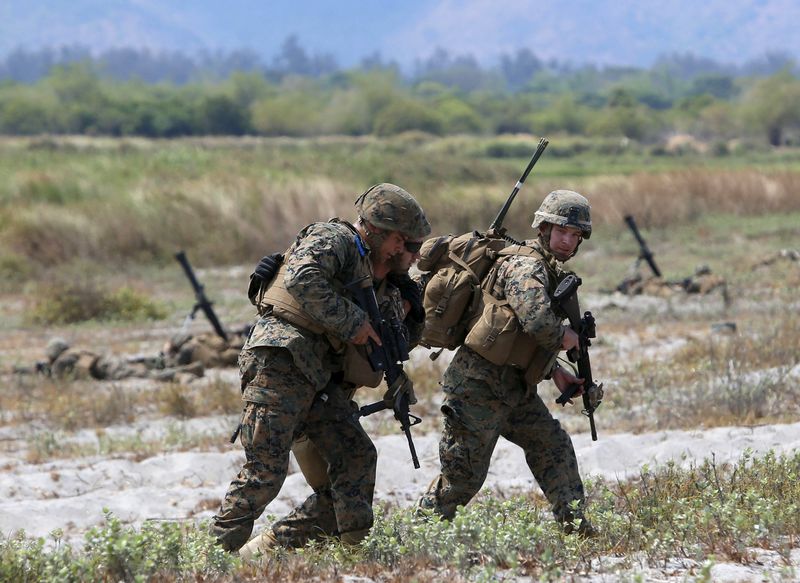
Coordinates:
column 644, row 251
column 202, row 301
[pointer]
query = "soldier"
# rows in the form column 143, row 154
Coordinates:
column 207, row 348
column 294, row 362
column 65, row 362
column 484, row 400
column 398, row 297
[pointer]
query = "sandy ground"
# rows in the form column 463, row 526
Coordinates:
column 72, row 494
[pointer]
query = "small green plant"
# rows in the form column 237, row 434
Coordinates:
column 176, row 399
column 699, row 515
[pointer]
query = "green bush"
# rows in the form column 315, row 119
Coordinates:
column 67, row 303
column 112, row 552
column 405, row 115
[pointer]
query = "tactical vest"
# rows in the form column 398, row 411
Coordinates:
column 284, row 305
column 281, row 303
column 496, row 333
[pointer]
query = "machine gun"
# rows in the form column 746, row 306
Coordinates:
column 387, row 358
column 644, row 251
column 585, row 328
column 202, row 300
column 496, row 228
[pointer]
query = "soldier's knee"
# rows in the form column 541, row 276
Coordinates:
column 312, row 464
column 371, row 454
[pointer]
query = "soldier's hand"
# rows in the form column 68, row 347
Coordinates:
column 570, row 340
column 268, row 266
column 363, row 335
column 262, row 275
column 565, row 379
column 411, row 293
column 403, row 385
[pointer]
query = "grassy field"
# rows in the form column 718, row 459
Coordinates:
column 82, row 203
column 100, row 216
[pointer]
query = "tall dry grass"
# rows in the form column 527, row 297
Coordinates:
column 664, row 199
column 229, row 202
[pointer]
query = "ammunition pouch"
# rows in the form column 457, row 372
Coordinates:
column 497, row 336
column 357, row 369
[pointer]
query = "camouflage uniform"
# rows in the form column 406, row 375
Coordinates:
column 316, row 518
column 291, row 376
column 206, row 348
column 484, row 401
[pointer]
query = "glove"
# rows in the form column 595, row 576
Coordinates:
column 411, row 292
column 262, row 275
column 403, row 385
column 268, row 267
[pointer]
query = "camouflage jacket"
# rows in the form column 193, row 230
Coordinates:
column 528, row 284
column 323, row 259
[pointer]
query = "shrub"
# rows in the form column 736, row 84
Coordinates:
column 79, row 301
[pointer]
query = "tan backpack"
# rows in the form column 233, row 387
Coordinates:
column 457, row 266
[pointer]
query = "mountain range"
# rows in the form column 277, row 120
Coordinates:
column 605, row 32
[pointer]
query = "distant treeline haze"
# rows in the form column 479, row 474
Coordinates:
column 136, row 93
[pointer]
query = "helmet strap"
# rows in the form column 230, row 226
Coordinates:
column 373, row 236
column 544, row 236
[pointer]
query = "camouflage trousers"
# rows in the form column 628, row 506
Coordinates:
column 475, row 415
column 285, row 405
column 315, row 518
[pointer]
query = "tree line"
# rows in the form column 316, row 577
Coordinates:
column 128, row 92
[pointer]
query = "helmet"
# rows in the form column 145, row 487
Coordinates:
column 566, row 209
column 387, row 206
column 55, row 348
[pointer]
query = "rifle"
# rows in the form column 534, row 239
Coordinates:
column 644, row 251
column 202, row 300
column 386, row 358
column 496, row 228
column 585, row 328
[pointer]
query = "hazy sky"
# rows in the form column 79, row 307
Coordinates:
column 601, row 31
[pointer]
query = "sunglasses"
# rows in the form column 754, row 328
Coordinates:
column 413, row 246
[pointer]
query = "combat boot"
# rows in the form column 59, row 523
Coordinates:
column 585, row 530
column 259, row 546
column 354, row 537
